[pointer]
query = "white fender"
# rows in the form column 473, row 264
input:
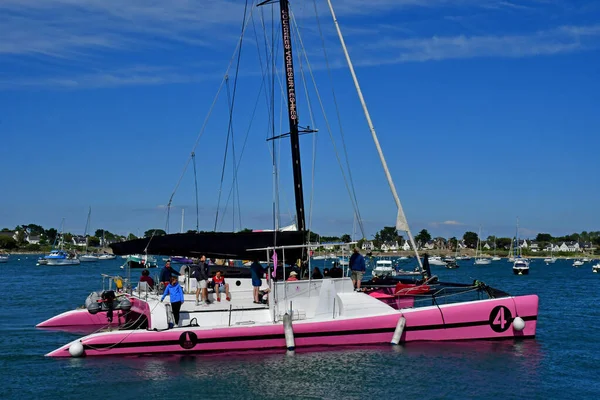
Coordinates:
column 518, row 324
column 76, row 349
column 289, row 332
column 399, row 329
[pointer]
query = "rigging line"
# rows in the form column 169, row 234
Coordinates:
column 231, row 103
column 312, row 121
column 222, row 172
column 253, row 116
column 401, row 221
column 264, row 69
column 339, row 118
column 196, row 186
column 235, row 170
column 329, row 131
column 212, row 106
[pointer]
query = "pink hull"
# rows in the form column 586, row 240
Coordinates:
column 80, row 320
column 489, row 319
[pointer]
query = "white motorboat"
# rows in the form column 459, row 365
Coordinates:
column 4, row 258
column 88, row 258
column 578, row 263
column 383, row 268
column 521, row 264
column 596, row 268
column 61, row 257
column 107, row 257
column 436, row 260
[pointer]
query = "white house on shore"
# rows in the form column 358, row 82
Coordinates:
column 390, row 247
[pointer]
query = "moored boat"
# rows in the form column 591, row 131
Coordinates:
column 322, row 312
column 61, row 257
column 300, row 313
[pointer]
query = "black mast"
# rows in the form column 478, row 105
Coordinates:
column 288, row 60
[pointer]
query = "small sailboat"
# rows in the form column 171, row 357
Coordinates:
column 496, row 257
column 88, row 257
column 60, row 256
column 478, row 259
column 551, row 259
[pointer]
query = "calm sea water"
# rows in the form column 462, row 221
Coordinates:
column 561, row 363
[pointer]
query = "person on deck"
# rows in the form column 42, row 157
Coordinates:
column 293, row 276
column 358, row 268
column 147, row 278
column 426, row 267
column 175, row 291
column 167, row 272
column 201, row 275
column 221, row 286
column 336, row 271
column 257, row 271
column 316, row 274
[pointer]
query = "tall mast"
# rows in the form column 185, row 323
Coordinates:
column 288, row 60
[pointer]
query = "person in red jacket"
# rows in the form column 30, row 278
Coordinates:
column 221, row 286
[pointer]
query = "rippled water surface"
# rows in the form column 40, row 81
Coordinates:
column 561, row 363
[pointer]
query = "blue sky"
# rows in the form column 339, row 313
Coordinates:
column 486, row 110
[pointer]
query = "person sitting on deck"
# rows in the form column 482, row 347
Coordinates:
column 167, row 272
column 293, row 276
column 336, row 271
column 147, row 278
column 221, row 286
column 316, row 274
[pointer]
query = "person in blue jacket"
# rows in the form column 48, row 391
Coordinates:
column 358, row 268
column 175, row 291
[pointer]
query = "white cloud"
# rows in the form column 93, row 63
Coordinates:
column 83, row 44
column 452, row 223
column 564, row 39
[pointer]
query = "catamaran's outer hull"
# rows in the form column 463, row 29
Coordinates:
column 484, row 319
column 80, row 320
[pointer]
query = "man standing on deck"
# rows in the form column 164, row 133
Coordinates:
column 358, row 268
column 201, row 275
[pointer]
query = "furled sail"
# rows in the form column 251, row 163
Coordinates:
column 214, row 244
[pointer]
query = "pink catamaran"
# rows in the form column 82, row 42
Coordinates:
column 303, row 314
